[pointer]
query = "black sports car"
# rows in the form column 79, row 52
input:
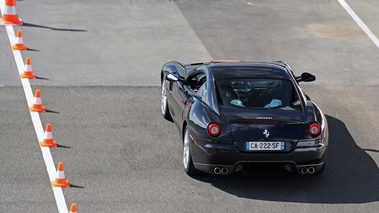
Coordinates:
column 231, row 114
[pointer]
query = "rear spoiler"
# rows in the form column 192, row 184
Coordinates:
column 213, row 61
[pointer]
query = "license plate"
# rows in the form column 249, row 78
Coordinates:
column 264, row 146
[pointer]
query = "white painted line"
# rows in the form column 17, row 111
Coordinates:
column 49, row 162
column 361, row 24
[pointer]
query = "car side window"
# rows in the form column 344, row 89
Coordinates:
column 198, row 84
column 202, row 91
column 196, row 81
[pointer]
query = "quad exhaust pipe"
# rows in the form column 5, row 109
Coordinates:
column 307, row 170
column 224, row 170
column 221, row 170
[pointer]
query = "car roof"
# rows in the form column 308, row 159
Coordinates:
column 249, row 70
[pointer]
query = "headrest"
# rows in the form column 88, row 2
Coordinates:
column 274, row 103
column 237, row 102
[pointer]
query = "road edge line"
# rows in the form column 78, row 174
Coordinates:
column 359, row 21
column 49, row 162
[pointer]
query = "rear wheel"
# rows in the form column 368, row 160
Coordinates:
column 164, row 108
column 189, row 168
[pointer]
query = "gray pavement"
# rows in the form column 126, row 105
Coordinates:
column 114, row 43
column 102, row 65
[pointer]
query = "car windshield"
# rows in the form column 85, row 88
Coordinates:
column 257, row 93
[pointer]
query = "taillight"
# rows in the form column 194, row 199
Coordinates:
column 314, row 129
column 214, row 129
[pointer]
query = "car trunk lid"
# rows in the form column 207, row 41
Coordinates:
column 282, row 125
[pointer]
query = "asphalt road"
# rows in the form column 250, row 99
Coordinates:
column 99, row 64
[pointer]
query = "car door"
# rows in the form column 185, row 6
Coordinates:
column 183, row 91
column 179, row 100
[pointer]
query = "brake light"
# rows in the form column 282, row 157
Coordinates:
column 314, row 129
column 214, row 129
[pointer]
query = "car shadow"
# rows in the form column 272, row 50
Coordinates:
column 351, row 176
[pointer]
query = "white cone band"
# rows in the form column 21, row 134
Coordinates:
column 48, row 135
column 28, row 67
column 10, row 10
column 37, row 100
column 60, row 175
column 19, row 40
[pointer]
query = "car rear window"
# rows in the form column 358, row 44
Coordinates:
column 257, row 93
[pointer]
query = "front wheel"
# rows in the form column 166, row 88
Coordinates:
column 164, row 108
column 189, row 168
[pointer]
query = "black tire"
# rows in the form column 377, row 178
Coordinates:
column 164, row 106
column 188, row 166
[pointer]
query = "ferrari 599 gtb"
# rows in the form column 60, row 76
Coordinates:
column 231, row 114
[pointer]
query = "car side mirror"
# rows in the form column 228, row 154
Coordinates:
column 172, row 78
column 306, row 77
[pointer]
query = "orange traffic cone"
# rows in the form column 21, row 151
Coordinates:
column 10, row 16
column 19, row 43
column 37, row 105
column 73, row 208
column 28, row 73
column 48, row 141
column 60, row 180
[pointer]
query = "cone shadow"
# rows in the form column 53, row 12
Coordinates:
column 62, row 146
column 41, row 78
column 34, row 50
column 76, row 186
column 52, row 28
column 371, row 150
column 51, row 111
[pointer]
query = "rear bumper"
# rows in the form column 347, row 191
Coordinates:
column 220, row 157
column 229, row 169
